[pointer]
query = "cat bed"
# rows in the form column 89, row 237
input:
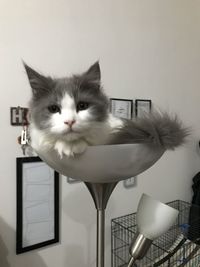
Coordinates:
column 104, row 164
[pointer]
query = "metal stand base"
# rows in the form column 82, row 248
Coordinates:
column 100, row 193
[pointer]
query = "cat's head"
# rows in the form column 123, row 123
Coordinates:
column 68, row 105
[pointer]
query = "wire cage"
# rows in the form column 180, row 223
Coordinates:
column 174, row 248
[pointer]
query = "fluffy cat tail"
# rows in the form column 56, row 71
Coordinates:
column 158, row 130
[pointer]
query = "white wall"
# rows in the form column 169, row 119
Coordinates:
column 147, row 49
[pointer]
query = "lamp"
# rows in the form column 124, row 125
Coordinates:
column 101, row 168
column 153, row 219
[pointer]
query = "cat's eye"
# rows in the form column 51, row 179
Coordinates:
column 54, row 108
column 82, row 106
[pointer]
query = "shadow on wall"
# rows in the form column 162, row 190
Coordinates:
column 79, row 206
column 74, row 256
column 8, row 257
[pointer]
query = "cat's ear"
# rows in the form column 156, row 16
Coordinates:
column 94, row 73
column 40, row 84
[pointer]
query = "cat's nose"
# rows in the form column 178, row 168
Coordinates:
column 70, row 123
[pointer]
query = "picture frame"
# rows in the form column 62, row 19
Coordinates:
column 122, row 108
column 37, row 204
column 142, row 107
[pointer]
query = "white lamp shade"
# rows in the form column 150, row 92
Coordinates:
column 154, row 218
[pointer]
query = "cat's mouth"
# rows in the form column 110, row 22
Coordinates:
column 71, row 135
column 71, row 131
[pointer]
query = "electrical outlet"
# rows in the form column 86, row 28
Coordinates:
column 72, row 181
column 130, row 182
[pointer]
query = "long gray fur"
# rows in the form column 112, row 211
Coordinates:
column 158, row 130
column 84, row 87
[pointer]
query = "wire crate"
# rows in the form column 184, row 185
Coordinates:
column 171, row 249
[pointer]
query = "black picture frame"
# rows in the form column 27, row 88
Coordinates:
column 24, row 164
column 122, row 108
column 142, row 106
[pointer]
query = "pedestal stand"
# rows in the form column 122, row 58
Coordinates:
column 100, row 193
column 101, row 168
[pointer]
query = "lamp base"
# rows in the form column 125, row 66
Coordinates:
column 100, row 193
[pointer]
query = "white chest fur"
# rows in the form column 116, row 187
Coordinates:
column 98, row 134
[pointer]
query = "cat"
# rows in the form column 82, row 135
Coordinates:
column 69, row 114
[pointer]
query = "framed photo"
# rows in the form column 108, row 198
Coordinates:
column 37, row 204
column 122, row 108
column 142, row 107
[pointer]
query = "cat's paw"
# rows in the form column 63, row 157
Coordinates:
column 63, row 148
column 70, row 149
column 79, row 147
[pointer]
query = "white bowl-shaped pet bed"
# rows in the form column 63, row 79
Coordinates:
column 104, row 164
column 101, row 168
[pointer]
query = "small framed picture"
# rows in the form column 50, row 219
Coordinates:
column 142, row 107
column 122, row 108
column 37, row 204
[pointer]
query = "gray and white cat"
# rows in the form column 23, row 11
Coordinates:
column 69, row 114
